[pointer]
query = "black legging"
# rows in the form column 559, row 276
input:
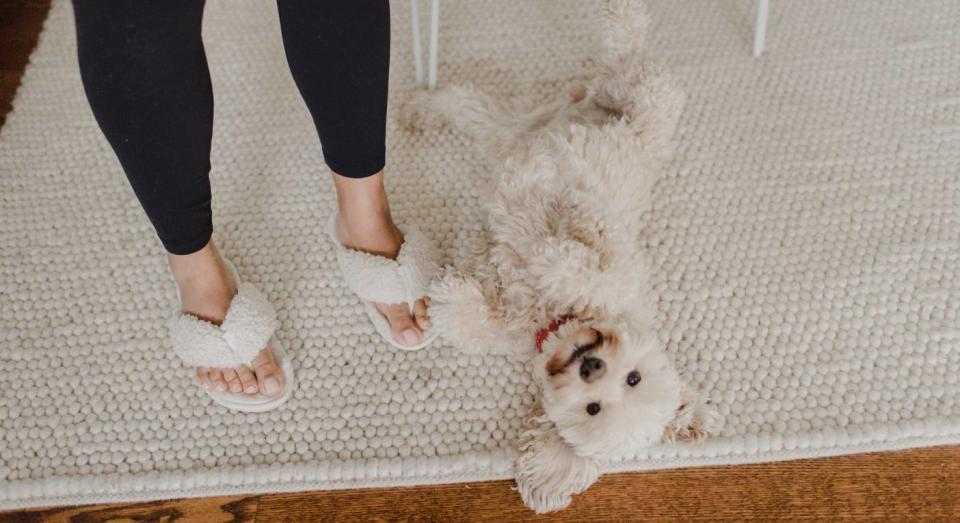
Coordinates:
column 145, row 74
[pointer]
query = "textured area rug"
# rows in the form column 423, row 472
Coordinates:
column 806, row 246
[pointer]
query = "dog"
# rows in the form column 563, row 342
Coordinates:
column 561, row 277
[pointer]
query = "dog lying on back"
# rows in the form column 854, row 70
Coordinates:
column 561, row 277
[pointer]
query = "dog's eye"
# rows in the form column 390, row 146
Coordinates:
column 633, row 378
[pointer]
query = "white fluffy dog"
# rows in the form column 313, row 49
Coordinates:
column 562, row 277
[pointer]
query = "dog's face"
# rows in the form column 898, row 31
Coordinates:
column 608, row 391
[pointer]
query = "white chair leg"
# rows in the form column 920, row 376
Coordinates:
column 434, row 30
column 760, row 27
column 415, row 24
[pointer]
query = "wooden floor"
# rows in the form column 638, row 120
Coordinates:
column 20, row 23
column 915, row 485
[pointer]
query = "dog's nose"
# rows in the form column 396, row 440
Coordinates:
column 592, row 369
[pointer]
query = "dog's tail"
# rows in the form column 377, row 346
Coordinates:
column 625, row 24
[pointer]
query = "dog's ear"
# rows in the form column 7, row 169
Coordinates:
column 548, row 471
column 695, row 419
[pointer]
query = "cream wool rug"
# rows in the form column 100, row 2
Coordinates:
column 806, row 248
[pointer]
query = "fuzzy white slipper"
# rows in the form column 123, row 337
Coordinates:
column 376, row 279
column 248, row 327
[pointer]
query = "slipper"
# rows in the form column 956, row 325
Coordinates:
column 377, row 279
column 248, row 327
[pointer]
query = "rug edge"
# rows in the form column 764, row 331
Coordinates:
column 254, row 489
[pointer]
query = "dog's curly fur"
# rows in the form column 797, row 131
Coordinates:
column 564, row 223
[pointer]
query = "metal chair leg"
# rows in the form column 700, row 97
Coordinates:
column 760, row 27
column 434, row 33
column 415, row 24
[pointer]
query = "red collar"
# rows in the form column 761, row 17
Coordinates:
column 543, row 334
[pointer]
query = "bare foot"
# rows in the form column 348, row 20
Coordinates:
column 206, row 290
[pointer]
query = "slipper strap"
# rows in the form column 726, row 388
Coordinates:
column 379, row 279
column 250, row 322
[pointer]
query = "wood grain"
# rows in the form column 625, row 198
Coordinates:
column 20, row 24
column 212, row 510
column 914, row 485
column 922, row 483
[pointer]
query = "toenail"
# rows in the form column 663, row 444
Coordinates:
column 235, row 386
column 206, row 385
column 221, row 387
column 426, row 323
column 251, row 389
column 410, row 336
column 271, row 385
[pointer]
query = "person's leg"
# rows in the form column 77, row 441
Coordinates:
column 145, row 75
column 339, row 54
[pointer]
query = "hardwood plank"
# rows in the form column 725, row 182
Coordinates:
column 922, row 484
column 20, row 24
column 915, row 485
column 212, row 510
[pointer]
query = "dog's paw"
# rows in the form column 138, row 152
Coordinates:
column 577, row 93
column 416, row 113
column 695, row 420
column 467, row 321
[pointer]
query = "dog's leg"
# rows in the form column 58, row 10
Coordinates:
column 468, row 321
column 628, row 84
